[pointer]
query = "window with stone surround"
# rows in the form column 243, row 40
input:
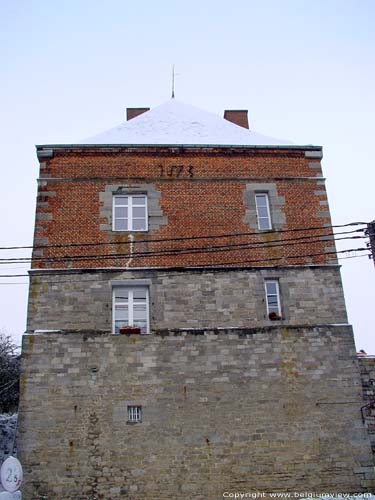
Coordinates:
column 131, row 309
column 259, row 217
column 273, row 299
column 263, row 211
column 130, row 212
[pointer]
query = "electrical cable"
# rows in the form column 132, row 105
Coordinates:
column 191, row 250
column 183, row 238
column 199, row 267
column 50, row 282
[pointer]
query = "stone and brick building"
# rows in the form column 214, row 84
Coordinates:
column 215, row 244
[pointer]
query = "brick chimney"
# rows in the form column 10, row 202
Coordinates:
column 133, row 112
column 237, row 116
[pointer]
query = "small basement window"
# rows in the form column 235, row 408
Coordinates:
column 134, row 414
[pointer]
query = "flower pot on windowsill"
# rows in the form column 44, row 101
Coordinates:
column 273, row 316
column 130, row 330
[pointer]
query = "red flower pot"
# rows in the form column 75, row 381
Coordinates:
column 130, row 330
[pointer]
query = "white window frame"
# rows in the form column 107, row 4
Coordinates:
column 135, row 414
column 269, row 221
column 130, row 217
column 130, row 289
column 276, row 282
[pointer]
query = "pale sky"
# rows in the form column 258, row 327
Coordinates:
column 304, row 70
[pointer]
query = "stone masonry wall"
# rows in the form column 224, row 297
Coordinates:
column 367, row 367
column 274, row 409
column 201, row 299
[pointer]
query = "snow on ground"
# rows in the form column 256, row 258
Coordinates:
column 8, row 425
column 177, row 123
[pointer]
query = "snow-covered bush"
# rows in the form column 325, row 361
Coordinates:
column 9, row 374
column 8, row 424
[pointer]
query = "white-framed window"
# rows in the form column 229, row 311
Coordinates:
column 273, row 299
column 263, row 211
column 129, row 212
column 130, row 308
column 135, row 414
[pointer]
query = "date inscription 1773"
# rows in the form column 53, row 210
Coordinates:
column 175, row 171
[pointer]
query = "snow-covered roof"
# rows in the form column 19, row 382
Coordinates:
column 177, row 123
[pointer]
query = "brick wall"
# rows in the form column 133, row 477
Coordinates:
column 274, row 409
column 198, row 193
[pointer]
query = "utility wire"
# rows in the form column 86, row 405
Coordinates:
column 186, row 250
column 15, row 283
column 289, row 257
column 355, row 257
column 169, row 274
column 185, row 238
column 199, row 267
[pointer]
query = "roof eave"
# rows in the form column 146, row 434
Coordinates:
column 308, row 147
column 46, row 151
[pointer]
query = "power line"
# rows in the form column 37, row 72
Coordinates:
column 14, row 283
column 192, row 250
column 291, row 257
column 355, row 257
column 185, row 238
column 169, row 274
column 12, row 266
column 207, row 267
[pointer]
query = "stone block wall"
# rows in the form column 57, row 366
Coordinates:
column 273, row 409
column 190, row 299
column 367, row 367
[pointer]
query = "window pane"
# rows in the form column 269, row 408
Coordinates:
column 121, row 200
column 272, row 309
column 271, row 287
column 261, row 200
column 120, row 324
column 263, row 212
column 139, row 212
column 121, row 212
column 121, row 224
column 139, row 293
column 121, row 294
column 272, row 301
column 263, row 223
column 139, row 200
column 139, row 312
column 139, row 224
column 121, row 313
column 142, row 324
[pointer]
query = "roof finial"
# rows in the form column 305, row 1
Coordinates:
column 173, row 81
